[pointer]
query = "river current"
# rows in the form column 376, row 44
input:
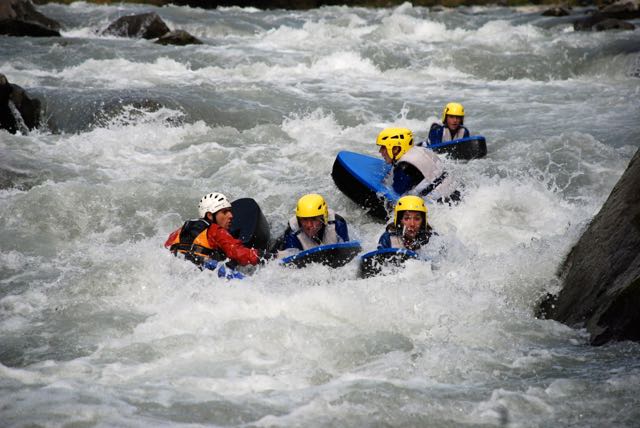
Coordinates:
column 101, row 326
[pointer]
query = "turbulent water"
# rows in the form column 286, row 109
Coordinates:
column 101, row 326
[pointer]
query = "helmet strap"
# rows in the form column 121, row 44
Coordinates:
column 318, row 238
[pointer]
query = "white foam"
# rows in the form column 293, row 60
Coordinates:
column 103, row 326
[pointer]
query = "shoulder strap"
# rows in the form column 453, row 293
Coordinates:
column 434, row 184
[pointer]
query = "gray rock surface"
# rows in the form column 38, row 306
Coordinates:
column 145, row 25
column 179, row 38
column 601, row 275
column 20, row 18
column 18, row 111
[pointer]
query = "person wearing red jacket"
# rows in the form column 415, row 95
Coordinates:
column 208, row 237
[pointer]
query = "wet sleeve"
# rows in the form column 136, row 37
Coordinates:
column 291, row 240
column 405, row 177
column 342, row 230
column 384, row 241
column 466, row 133
column 232, row 247
column 435, row 134
column 173, row 238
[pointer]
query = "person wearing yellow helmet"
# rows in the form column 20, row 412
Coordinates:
column 410, row 228
column 416, row 169
column 313, row 224
column 451, row 127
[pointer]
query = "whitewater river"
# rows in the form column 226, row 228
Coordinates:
column 101, row 326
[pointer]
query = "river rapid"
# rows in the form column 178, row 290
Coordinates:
column 101, row 326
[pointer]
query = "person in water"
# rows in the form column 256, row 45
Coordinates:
column 416, row 169
column 410, row 229
column 451, row 127
column 313, row 224
column 208, row 238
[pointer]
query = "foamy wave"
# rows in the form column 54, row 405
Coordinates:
column 502, row 34
column 121, row 73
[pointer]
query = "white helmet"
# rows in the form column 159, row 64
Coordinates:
column 212, row 203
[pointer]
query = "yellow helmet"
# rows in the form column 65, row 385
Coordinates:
column 410, row 203
column 395, row 137
column 312, row 205
column 453, row 109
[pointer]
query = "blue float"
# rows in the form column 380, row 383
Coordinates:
column 373, row 262
column 473, row 147
column 332, row 255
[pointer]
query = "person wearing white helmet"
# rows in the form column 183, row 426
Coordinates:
column 451, row 127
column 208, row 237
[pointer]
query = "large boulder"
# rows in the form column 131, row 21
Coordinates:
column 601, row 275
column 609, row 17
column 145, row 25
column 621, row 10
column 556, row 11
column 18, row 111
column 20, row 18
column 179, row 38
column 613, row 24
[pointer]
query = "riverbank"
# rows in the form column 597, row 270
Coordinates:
column 310, row 4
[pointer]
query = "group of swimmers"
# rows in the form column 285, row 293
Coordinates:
column 416, row 170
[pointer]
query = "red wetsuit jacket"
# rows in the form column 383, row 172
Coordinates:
column 214, row 238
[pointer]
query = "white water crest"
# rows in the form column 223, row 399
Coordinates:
column 101, row 326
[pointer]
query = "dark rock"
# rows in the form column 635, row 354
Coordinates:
column 7, row 121
column 613, row 24
column 601, row 274
column 24, row 10
column 610, row 13
column 146, row 25
column 20, row 18
column 179, row 38
column 16, row 28
column 556, row 11
column 621, row 10
column 25, row 114
column 586, row 24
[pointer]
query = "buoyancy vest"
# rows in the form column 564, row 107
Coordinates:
column 193, row 243
column 436, row 183
column 330, row 236
column 446, row 134
column 439, row 133
column 398, row 242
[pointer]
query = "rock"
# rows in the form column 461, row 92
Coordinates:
column 16, row 28
column 146, row 25
column 178, row 37
column 612, row 14
column 600, row 22
column 601, row 274
column 613, row 24
column 586, row 24
column 20, row 18
column 556, row 11
column 621, row 10
column 18, row 112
